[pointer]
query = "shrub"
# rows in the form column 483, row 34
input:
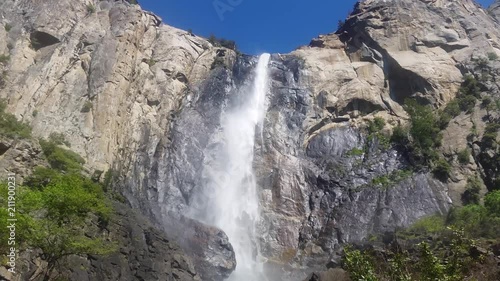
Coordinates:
column 463, row 156
column 221, row 42
column 376, row 125
column 90, row 8
column 425, row 134
column 359, row 265
column 428, row 225
column 4, row 58
column 472, row 190
column 52, row 216
column 10, row 127
column 87, row 106
column 467, row 103
column 58, row 139
column 442, row 169
column 61, row 159
column 492, row 203
column 355, row 152
column 151, row 62
column 7, row 27
column 400, row 136
column 470, row 87
column 492, row 56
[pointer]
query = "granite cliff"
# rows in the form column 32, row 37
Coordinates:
column 143, row 99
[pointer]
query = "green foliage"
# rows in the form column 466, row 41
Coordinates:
column 430, row 266
column 221, row 42
column 7, row 27
column 90, row 8
column 451, row 111
column 3, row 79
column 421, row 138
column 355, row 152
column 109, row 176
column 400, row 136
column 34, row 113
column 463, row 156
column 4, row 58
column 399, row 267
column 151, row 62
column 61, row 159
column 359, row 265
column 471, row 194
column 492, row 56
column 467, row 103
column 492, row 203
column 87, row 106
column 392, row 178
column 58, row 139
column 9, row 125
column 442, row 169
column 53, row 215
column 376, row 125
column 489, row 139
column 428, row 225
column 375, row 132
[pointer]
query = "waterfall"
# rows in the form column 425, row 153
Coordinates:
column 231, row 181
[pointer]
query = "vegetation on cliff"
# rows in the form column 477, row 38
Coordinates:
column 58, row 208
column 460, row 246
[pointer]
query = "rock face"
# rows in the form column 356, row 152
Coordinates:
column 144, row 99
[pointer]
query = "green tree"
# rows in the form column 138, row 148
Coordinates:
column 54, row 218
column 492, row 203
column 359, row 265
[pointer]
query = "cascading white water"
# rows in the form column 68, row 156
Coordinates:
column 235, row 203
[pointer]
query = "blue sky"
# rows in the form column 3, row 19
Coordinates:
column 275, row 26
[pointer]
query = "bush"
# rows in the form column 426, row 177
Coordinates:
column 221, row 42
column 53, row 215
column 61, row 159
column 425, row 134
column 492, row 203
column 10, row 127
column 472, row 190
column 58, row 139
column 359, row 265
column 87, row 106
column 376, row 125
column 355, row 152
column 467, row 103
column 442, row 169
column 463, row 156
column 7, row 27
column 400, row 136
column 492, row 56
column 90, row 8
column 428, row 225
column 4, row 58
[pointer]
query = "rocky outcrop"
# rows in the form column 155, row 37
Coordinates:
column 143, row 253
column 144, row 99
